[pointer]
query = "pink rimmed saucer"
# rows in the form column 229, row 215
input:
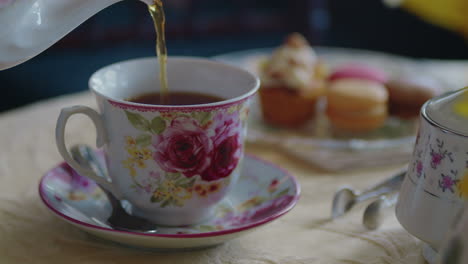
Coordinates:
column 263, row 193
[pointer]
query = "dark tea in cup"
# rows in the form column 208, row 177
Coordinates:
column 175, row 98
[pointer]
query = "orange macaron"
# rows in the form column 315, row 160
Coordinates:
column 355, row 105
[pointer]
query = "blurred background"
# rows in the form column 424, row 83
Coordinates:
column 213, row 27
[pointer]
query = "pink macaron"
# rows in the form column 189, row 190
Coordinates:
column 358, row 71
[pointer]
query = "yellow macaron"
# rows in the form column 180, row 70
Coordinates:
column 356, row 105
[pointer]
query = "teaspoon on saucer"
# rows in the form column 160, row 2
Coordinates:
column 119, row 218
column 346, row 198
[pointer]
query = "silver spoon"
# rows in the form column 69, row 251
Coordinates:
column 346, row 197
column 373, row 214
column 119, row 219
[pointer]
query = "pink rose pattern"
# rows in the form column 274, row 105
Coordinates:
column 188, row 148
column 183, row 147
column 227, row 150
column 80, row 187
column 212, row 152
column 419, row 168
column 439, row 154
column 448, row 182
column 79, row 182
column 201, row 144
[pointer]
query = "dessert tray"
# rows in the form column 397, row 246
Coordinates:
column 315, row 143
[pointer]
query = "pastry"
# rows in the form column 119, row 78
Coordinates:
column 292, row 81
column 358, row 71
column 355, row 105
column 407, row 94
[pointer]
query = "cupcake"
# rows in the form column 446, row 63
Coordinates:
column 292, row 81
column 356, row 105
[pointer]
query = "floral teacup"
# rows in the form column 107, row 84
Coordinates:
column 172, row 163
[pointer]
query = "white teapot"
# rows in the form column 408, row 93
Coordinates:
column 29, row 27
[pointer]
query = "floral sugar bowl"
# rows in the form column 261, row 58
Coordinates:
column 437, row 178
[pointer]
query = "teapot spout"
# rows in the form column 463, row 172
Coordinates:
column 30, row 27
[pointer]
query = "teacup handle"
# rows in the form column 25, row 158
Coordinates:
column 100, row 141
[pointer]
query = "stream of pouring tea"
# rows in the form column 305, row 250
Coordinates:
column 157, row 13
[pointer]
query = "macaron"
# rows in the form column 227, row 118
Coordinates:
column 356, row 105
column 358, row 71
column 408, row 93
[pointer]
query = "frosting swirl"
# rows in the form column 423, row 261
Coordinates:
column 291, row 65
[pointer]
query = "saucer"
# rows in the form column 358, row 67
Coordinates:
column 263, row 193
